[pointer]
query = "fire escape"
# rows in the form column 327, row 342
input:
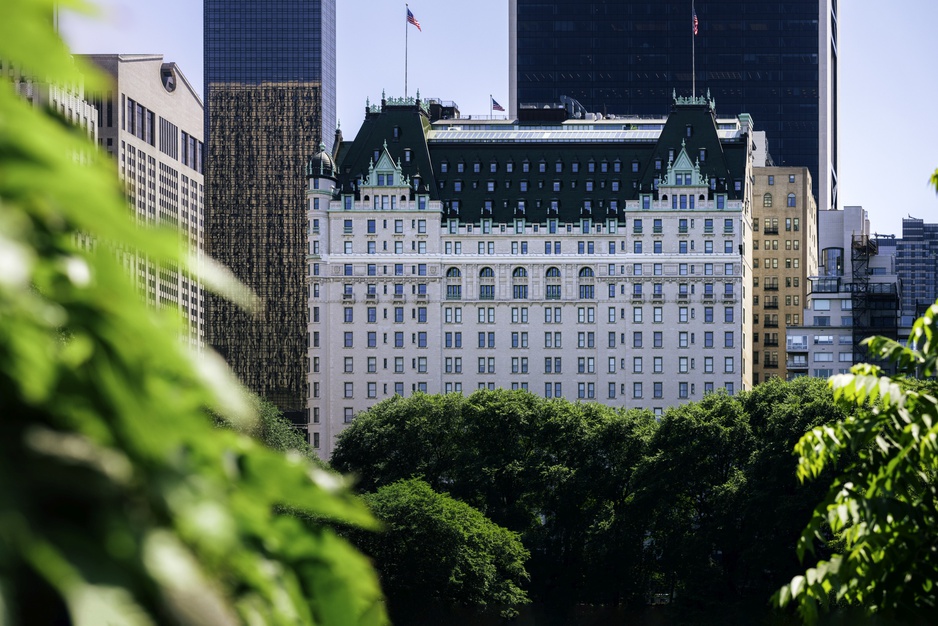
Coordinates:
column 875, row 305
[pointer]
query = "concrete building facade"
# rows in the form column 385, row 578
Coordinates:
column 855, row 295
column 785, row 254
column 150, row 121
column 605, row 261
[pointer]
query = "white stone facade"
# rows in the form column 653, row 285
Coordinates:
column 648, row 310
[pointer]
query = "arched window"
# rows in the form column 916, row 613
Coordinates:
column 487, row 272
column 453, row 272
column 587, row 288
column 791, row 200
column 553, row 272
column 519, row 272
column 767, row 200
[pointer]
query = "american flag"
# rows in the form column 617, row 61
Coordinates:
column 496, row 106
column 413, row 20
column 695, row 23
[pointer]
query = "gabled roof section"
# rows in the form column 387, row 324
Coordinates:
column 393, row 130
column 692, row 128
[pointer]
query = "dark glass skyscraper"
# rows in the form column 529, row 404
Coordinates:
column 776, row 61
column 270, row 101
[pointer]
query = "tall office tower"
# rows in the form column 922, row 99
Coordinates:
column 150, row 121
column 775, row 60
column 917, row 266
column 784, row 255
column 270, row 95
column 591, row 260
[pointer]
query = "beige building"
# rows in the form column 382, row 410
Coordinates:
column 151, row 122
column 68, row 101
column 785, row 254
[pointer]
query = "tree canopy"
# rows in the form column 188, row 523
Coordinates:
column 614, row 506
column 433, row 546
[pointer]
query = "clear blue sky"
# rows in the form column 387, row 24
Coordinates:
column 888, row 77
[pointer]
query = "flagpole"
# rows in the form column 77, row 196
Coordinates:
column 693, row 52
column 406, row 29
column 491, row 114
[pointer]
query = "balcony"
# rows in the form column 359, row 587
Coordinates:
column 770, row 364
column 769, row 324
column 682, row 230
column 770, row 305
column 770, row 230
column 657, row 230
column 794, row 364
column 770, row 343
column 770, row 287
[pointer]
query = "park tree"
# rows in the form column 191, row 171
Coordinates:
column 401, row 438
column 882, row 504
column 692, row 483
column 120, row 502
column 776, row 504
column 433, row 547
column 558, row 473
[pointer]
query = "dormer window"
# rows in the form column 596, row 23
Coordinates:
column 476, row 167
column 493, row 167
column 575, row 167
column 460, row 167
column 617, row 166
column 604, row 167
column 510, row 166
column 542, row 166
column 525, row 166
column 397, row 132
column 444, row 167
column 558, row 166
column 407, row 155
column 703, row 155
column 591, row 167
column 377, row 154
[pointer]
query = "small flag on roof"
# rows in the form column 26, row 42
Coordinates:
column 496, row 106
column 413, row 20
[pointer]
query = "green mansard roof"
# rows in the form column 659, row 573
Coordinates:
column 620, row 151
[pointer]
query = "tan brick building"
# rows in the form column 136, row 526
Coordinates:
column 784, row 252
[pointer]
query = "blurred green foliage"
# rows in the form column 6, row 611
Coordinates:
column 120, row 502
